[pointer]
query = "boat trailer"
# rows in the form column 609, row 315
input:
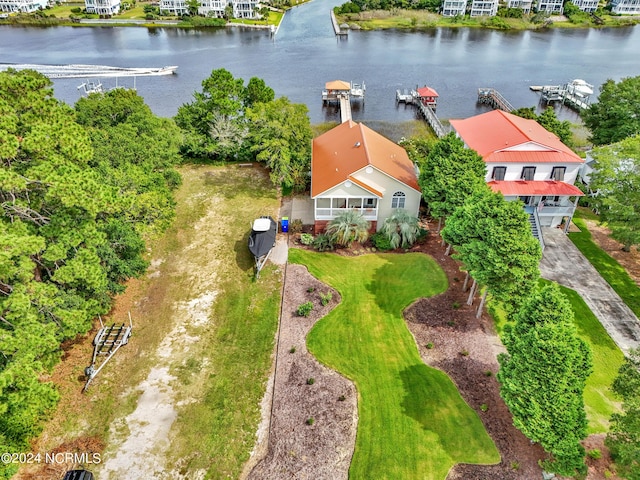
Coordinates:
column 105, row 344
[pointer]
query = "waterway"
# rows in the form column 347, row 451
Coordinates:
column 305, row 54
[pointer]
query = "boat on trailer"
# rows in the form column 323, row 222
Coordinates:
column 262, row 240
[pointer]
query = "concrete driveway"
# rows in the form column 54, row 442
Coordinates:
column 563, row 263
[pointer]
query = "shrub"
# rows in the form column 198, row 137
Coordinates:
column 325, row 298
column 341, row 398
column 295, row 226
column 310, row 421
column 381, row 241
column 292, row 350
column 488, row 373
column 484, row 407
column 311, row 289
column 594, row 454
column 515, row 465
column 76, row 10
column 456, row 305
column 323, row 242
column 348, row 227
column 306, row 239
column 310, row 381
column 305, row 309
column 429, row 345
column 401, row 228
column 464, row 353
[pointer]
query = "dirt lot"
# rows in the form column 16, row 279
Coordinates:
column 449, row 337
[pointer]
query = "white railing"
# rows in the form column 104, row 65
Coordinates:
column 554, row 211
column 331, row 213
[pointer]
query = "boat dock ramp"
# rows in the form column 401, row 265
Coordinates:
column 343, row 93
column 492, row 97
column 574, row 94
column 425, row 100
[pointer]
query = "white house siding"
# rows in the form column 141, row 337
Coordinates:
column 212, row 8
column 481, row 8
column 550, row 6
column 25, row 6
column 629, row 7
column 543, row 171
column 586, row 5
column 525, row 5
column 174, row 7
column 102, row 7
column 245, row 9
column 451, row 8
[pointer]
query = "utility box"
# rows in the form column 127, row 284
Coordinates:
column 284, row 224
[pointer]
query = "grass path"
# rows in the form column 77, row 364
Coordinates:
column 413, row 423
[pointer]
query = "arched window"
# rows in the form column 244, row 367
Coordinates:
column 397, row 201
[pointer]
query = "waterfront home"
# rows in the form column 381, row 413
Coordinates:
column 24, row 6
column 524, row 5
column 552, row 7
column 105, row 8
column 486, row 8
column 356, row 168
column 628, row 7
column 589, row 6
column 213, row 8
column 525, row 162
column 451, row 8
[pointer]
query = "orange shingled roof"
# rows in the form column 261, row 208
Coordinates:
column 534, row 188
column 351, row 146
column 497, row 131
column 337, row 85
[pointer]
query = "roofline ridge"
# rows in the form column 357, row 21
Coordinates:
column 364, row 142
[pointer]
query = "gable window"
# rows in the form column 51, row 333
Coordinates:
column 498, row 173
column 397, row 201
column 558, row 173
column 528, row 173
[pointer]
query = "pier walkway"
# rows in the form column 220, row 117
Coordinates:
column 412, row 98
column 492, row 97
column 345, row 108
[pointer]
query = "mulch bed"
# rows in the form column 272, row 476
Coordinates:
column 449, row 337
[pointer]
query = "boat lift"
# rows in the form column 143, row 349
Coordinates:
column 262, row 240
column 105, row 344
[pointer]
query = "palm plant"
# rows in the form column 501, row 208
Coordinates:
column 401, row 228
column 348, row 227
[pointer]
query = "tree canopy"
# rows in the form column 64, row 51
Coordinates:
column 449, row 175
column 493, row 239
column 69, row 232
column 549, row 120
column 542, row 378
column 623, row 438
column 616, row 181
column 614, row 116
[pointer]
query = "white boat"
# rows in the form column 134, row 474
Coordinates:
column 90, row 71
column 580, row 87
column 90, row 87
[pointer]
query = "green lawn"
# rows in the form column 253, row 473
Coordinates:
column 413, row 423
column 607, row 266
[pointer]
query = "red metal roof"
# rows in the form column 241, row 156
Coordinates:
column 531, row 157
column 497, row 131
column 534, row 188
column 427, row 92
column 352, row 146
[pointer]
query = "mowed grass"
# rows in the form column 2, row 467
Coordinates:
column 413, row 423
column 607, row 266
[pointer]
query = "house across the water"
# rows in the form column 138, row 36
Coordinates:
column 525, row 162
column 356, row 168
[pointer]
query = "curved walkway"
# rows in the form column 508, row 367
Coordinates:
column 565, row 264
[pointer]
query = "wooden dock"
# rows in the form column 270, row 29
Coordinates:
column 562, row 94
column 345, row 108
column 492, row 97
column 411, row 97
column 336, row 28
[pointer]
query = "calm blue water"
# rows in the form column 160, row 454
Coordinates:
column 305, row 54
